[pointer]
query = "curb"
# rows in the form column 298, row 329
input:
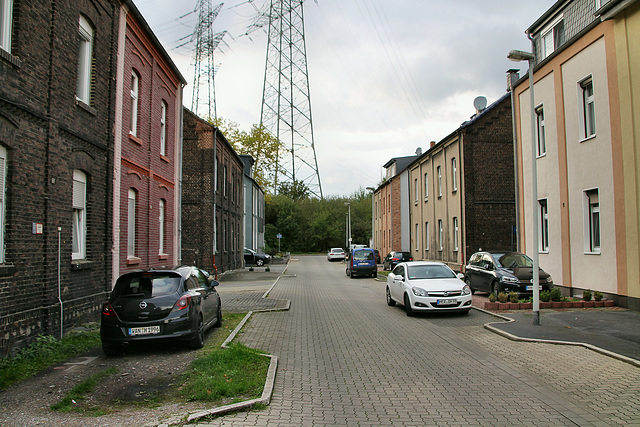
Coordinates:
column 591, row 347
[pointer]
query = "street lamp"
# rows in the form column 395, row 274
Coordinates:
column 349, row 227
column 373, row 190
column 519, row 55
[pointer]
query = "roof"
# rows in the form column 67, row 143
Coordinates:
column 401, row 163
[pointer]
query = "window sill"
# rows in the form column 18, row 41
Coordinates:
column 7, row 270
column 133, row 260
column 86, row 107
column 592, row 253
column 13, row 60
column 426, row 199
column 590, row 137
column 543, row 252
column 165, row 158
column 163, row 257
column 539, row 156
column 135, row 139
column 81, row 264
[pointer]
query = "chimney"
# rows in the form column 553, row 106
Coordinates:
column 432, row 144
column 512, row 77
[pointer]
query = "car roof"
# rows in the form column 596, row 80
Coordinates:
column 183, row 270
column 418, row 263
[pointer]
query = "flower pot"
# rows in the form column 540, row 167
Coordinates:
column 491, row 306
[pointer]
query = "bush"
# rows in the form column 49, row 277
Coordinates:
column 502, row 297
column 597, row 295
column 586, row 295
column 545, row 296
column 555, row 294
column 493, row 298
column 513, row 297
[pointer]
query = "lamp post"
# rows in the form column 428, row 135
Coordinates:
column 519, row 55
column 349, row 226
column 373, row 190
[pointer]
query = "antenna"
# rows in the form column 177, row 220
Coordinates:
column 480, row 103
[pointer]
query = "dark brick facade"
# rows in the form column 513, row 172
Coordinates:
column 200, row 198
column 48, row 134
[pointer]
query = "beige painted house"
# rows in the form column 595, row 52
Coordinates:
column 586, row 147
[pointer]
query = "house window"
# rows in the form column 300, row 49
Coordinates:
column 592, row 199
column 417, row 236
column 540, row 135
column 161, row 226
column 426, row 236
column 224, row 181
column 426, row 186
column 588, row 109
column 83, row 89
column 131, row 224
column 135, row 82
column 79, row 228
column 6, row 21
column 440, row 235
column 3, row 196
column 553, row 37
column 163, row 129
column 544, row 225
column 439, row 182
column 415, row 189
column 454, row 171
column 455, row 233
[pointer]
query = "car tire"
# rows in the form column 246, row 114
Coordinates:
column 375, row 274
column 352, row 275
column 407, row 306
column 259, row 262
column 348, row 272
column 218, row 315
column 111, row 350
column 390, row 301
column 495, row 288
column 468, row 282
column 198, row 340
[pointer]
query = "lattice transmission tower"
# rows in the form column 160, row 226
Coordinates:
column 286, row 100
column 206, row 42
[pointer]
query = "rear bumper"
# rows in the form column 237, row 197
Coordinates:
column 118, row 332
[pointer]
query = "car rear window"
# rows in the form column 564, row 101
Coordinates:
column 146, row 285
column 363, row 255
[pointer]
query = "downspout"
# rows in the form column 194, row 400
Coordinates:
column 60, row 289
column 215, row 191
column 179, row 195
column 513, row 73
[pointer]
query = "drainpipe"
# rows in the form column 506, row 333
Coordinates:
column 59, row 288
column 513, row 76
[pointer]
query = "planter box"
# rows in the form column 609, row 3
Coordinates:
column 556, row 304
column 609, row 303
column 545, row 304
column 598, row 303
column 526, row 305
column 588, row 303
column 577, row 304
column 567, row 304
column 491, row 306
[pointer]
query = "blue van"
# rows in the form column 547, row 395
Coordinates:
column 362, row 263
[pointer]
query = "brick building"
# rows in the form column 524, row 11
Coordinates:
column 56, row 109
column 147, row 149
column 211, row 197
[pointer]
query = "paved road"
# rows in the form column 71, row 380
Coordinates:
column 347, row 359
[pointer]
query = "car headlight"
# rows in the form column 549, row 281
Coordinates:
column 466, row 290
column 509, row 279
column 419, row 292
column 549, row 279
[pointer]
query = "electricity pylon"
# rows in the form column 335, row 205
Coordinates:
column 286, row 101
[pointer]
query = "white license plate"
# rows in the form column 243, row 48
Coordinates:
column 530, row 288
column 447, row 301
column 145, row 330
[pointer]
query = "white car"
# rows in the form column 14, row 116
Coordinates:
column 335, row 254
column 427, row 286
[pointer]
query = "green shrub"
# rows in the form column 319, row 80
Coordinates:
column 586, row 295
column 545, row 296
column 502, row 297
column 513, row 297
column 555, row 294
column 493, row 298
column 597, row 295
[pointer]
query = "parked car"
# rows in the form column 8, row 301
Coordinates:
column 176, row 303
column 423, row 286
column 503, row 271
column 394, row 258
column 335, row 254
column 362, row 262
column 377, row 254
column 257, row 258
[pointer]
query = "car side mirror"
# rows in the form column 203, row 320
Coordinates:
column 460, row 276
column 213, row 282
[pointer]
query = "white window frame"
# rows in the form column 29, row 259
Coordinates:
column 455, row 233
column 135, row 92
column 440, row 235
column 131, row 224
column 454, row 171
column 543, row 207
column 588, row 108
column 417, row 237
column 163, row 128
column 426, row 236
column 79, row 223
column 549, row 37
column 85, row 61
column 6, row 24
column 415, row 189
column 593, row 229
column 540, row 132
column 161, row 221
column 3, row 197
column 439, row 181
column 426, row 186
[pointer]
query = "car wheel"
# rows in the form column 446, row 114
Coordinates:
column 218, row 315
column 348, row 272
column 495, row 288
column 468, row 282
column 407, row 305
column 375, row 274
column 259, row 262
column 390, row 301
column 198, row 341
column 111, row 350
column 352, row 275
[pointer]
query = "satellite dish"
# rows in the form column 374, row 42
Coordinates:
column 480, row 103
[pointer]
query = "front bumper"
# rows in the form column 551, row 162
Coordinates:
column 457, row 303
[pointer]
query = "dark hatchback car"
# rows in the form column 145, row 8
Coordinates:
column 253, row 257
column 394, row 257
column 178, row 303
column 377, row 254
column 503, row 271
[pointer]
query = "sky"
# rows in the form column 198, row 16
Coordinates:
column 386, row 77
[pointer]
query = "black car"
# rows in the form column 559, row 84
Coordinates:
column 253, row 257
column 394, row 258
column 177, row 303
column 503, row 271
column 377, row 254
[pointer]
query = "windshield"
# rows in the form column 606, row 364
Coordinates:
column 363, row 255
column 430, row 272
column 513, row 260
column 146, row 285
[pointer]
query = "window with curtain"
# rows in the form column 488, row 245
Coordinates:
column 6, row 24
column 135, row 83
column 3, row 196
column 163, row 128
column 131, row 224
column 79, row 228
column 161, row 216
column 85, row 60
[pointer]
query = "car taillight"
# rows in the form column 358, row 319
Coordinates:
column 182, row 303
column 107, row 310
column 395, row 259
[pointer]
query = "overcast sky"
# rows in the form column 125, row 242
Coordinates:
column 386, row 76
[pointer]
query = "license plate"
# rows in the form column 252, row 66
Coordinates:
column 447, row 301
column 145, row 330
column 530, row 288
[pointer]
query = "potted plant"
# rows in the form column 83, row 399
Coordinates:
column 503, row 297
column 492, row 304
column 545, row 299
column 556, row 297
column 597, row 297
column 586, row 295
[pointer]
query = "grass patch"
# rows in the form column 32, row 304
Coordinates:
column 77, row 393
column 46, row 351
column 235, row 373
